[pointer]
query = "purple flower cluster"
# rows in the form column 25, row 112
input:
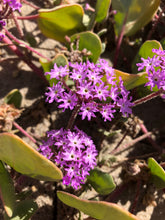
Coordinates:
column 13, row 4
column 95, row 90
column 73, row 151
column 155, row 67
column 6, row 8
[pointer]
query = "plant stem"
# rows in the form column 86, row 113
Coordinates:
column 25, row 45
column 21, row 34
column 24, row 132
column 73, row 117
column 136, row 140
column 119, row 41
column 24, row 58
column 134, row 205
column 119, row 143
column 30, row 17
column 153, row 143
column 147, row 98
column 30, row 4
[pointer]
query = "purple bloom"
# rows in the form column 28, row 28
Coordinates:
column 69, row 100
column 14, row 4
column 125, row 106
column 155, row 67
column 76, row 156
column 58, row 72
column 101, row 92
column 107, row 112
column 1, row 36
column 54, row 92
column 85, row 89
column 87, row 110
column 88, row 87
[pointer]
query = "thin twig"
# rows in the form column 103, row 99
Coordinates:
column 118, row 144
column 147, row 98
column 131, row 143
column 134, row 205
column 119, row 41
column 30, row 4
column 29, row 17
column 24, row 132
column 25, row 45
column 13, row 47
column 150, row 139
column 18, row 27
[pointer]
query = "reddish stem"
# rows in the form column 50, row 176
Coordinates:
column 136, row 140
column 30, row 17
column 153, row 143
column 120, row 38
column 24, row 44
column 24, row 58
column 17, row 25
column 134, row 205
column 147, row 98
column 24, row 132
column 30, row 4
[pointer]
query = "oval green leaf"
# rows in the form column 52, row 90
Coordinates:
column 137, row 13
column 13, row 97
column 60, row 21
column 24, row 159
column 96, row 209
column 145, row 51
column 102, row 182
column 91, row 42
column 24, row 210
column 59, row 59
column 157, row 173
column 131, row 80
column 7, row 192
column 101, row 10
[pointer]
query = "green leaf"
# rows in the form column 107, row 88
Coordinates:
column 91, row 42
column 59, row 59
column 157, row 173
column 13, row 97
column 60, row 21
column 24, row 210
column 145, row 51
column 137, row 13
column 24, row 159
column 7, row 192
column 96, row 209
column 131, row 80
column 102, row 182
column 101, row 10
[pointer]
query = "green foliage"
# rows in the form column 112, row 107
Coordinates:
column 23, row 210
column 145, row 51
column 7, row 192
column 61, row 21
column 101, row 10
column 59, row 59
column 96, row 209
column 135, row 13
column 157, row 173
column 13, row 97
column 89, row 41
column 102, row 182
column 24, row 159
column 131, row 81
